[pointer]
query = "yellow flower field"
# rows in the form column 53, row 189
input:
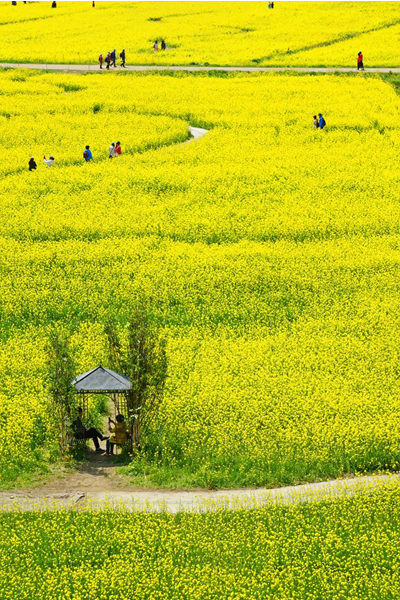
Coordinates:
column 345, row 549
column 267, row 252
column 215, row 33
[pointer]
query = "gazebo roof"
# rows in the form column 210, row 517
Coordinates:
column 101, row 380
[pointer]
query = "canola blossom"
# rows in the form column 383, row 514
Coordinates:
column 210, row 33
column 347, row 548
column 266, row 252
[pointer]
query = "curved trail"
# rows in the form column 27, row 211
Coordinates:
column 197, row 133
column 195, row 501
column 192, row 68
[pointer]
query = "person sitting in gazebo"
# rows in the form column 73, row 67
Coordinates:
column 83, row 433
column 120, row 433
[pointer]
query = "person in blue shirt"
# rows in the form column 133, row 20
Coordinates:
column 87, row 155
column 321, row 121
column 113, row 57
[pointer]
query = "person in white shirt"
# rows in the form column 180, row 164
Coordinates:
column 49, row 161
column 111, row 150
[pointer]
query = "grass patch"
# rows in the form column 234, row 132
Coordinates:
column 70, row 87
column 32, row 474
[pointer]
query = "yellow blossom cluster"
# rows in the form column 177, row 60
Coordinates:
column 266, row 251
column 343, row 549
column 215, row 33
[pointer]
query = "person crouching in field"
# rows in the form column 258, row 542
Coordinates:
column 315, row 122
column 120, row 433
column 118, row 149
column 32, row 164
column 111, row 150
column 321, row 121
column 360, row 62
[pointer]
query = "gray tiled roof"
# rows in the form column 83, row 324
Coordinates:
column 101, row 379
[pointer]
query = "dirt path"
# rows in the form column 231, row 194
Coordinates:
column 96, row 474
column 193, row 501
column 84, row 68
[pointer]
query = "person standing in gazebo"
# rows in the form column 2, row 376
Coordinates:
column 82, row 433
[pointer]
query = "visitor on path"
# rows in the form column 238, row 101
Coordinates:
column 87, row 154
column 155, row 46
column 82, row 433
column 360, row 62
column 111, row 150
column 113, row 58
column 108, row 60
column 32, row 164
column 321, row 121
column 122, row 57
column 163, row 45
column 120, row 433
column 101, row 60
column 118, row 149
column 315, row 122
column 49, row 161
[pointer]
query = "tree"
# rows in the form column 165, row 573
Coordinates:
column 140, row 354
column 60, row 373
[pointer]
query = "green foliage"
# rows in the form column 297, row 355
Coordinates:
column 59, row 375
column 139, row 353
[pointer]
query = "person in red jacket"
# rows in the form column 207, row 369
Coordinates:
column 360, row 62
column 118, row 149
column 101, row 60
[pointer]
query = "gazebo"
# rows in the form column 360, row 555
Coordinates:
column 104, row 381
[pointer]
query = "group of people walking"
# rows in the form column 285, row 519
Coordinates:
column 111, row 59
column 319, row 122
column 159, row 46
column 113, row 151
column 47, row 161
